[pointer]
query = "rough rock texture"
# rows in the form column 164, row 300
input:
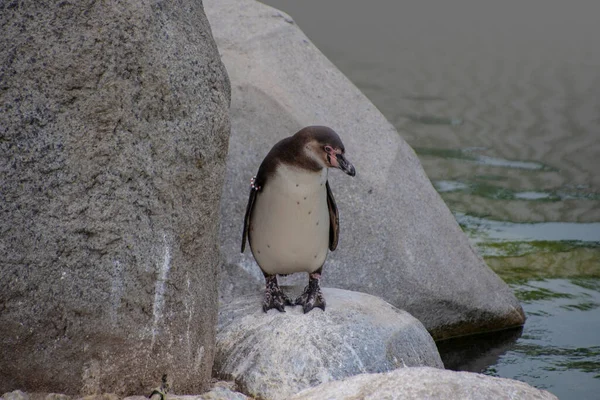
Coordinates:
column 216, row 393
column 274, row 355
column 424, row 383
column 103, row 396
column 113, row 139
column 398, row 239
column 19, row 395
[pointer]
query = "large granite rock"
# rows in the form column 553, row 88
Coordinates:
column 398, row 239
column 424, row 383
column 113, row 143
column 275, row 355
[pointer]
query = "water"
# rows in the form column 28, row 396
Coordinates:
column 559, row 349
column 490, row 231
column 501, row 101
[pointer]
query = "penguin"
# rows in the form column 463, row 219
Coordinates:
column 291, row 219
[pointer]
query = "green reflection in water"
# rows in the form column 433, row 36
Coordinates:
column 517, row 249
column 536, row 351
column 529, row 294
column 491, row 177
column 521, row 262
column 485, row 231
column 590, row 284
column 457, row 154
column 585, row 306
column 424, row 98
column 471, row 156
column 433, row 119
column 496, row 192
column 564, row 359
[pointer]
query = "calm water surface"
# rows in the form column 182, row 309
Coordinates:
column 502, row 103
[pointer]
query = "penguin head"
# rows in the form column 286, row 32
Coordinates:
column 324, row 145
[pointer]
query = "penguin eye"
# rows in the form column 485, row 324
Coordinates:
column 328, row 149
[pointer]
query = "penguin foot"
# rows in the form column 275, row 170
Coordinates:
column 312, row 296
column 274, row 296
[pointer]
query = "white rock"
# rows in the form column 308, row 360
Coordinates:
column 274, row 355
column 424, row 384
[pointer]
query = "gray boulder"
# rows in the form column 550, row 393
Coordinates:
column 398, row 239
column 275, row 355
column 424, row 383
column 113, row 139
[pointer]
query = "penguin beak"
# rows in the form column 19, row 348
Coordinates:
column 345, row 165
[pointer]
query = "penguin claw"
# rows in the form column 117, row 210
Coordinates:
column 277, row 300
column 274, row 296
column 311, row 298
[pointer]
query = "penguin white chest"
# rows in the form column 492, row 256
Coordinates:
column 289, row 228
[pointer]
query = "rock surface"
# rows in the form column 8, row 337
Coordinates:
column 113, row 144
column 424, row 383
column 15, row 395
column 216, row 393
column 19, row 395
column 398, row 239
column 275, row 355
column 219, row 391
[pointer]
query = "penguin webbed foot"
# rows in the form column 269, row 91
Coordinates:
column 274, row 296
column 312, row 296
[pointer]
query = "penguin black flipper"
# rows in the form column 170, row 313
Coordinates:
column 334, row 220
column 249, row 208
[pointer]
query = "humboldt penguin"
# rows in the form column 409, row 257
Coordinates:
column 291, row 218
